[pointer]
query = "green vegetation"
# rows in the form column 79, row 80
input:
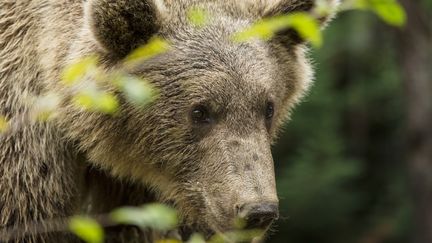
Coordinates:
column 341, row 170
column 87, row 229
column 305, row 24
column 155, row 216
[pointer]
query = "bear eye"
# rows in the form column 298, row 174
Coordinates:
column 200, row 114
column 269, row 113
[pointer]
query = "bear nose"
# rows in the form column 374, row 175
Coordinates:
column 259, row 216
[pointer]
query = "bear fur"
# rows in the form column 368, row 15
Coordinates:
column 88, row 162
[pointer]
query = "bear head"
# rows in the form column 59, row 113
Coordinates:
column 204, row 145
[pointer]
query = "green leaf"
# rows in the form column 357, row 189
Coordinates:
column 78, row 70
column 137, row 91
column 237, row 236
column 87, row 229
column 198, row 17
column 389, row 11
column 46, row 106
column 156, row 46
column 307, row 27
column 360, row 4
column 303, row 23
column 264, row 29
column 84, row 100
column 97, row 101
column 4, row 124
column 196, row 238
column 155, row 216
column 107, row 103
column 168, row 241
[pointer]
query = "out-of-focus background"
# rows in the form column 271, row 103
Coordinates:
column 355, row 162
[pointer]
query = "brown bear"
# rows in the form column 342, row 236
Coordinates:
column 203, row 146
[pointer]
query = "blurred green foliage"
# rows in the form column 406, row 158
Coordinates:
column 155, row 216
column 87, row 229
column 340, row 162
column 78, row 70
column 137, row 91
column 388, row 10
column 196, row 238
column 4, row 124
column 306, row 25
column 92, row 99
column 154, row 47
column 198, row 17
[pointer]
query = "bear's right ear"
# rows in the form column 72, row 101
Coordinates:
column 120, row 26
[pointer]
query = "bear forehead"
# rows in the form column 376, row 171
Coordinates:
column 209, row 62
column 211, row 51
column 211, row 66
column 178, row 9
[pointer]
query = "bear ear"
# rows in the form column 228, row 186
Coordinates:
column 280, row 7
column 120, row 26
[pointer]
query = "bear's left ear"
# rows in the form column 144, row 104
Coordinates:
column 119, row 26
column 281, row 7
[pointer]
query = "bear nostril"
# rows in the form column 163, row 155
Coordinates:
column 260, row 216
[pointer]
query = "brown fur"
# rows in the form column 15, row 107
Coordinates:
column 158, row 152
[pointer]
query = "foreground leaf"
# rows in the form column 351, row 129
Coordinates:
column 155, row 47
column 46, row 106
column 237, row 236
column 389, row 11
column 87, row 229
column 307, row 27
column 4, row 124
column 303, row 23
column 198, row 17
column 196, row 238
column 97, row 101
column 79, row 70
column 155, row 216
column 138, row 91
column 168, row 241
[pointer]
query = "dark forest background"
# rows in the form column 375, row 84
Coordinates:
column 354, row 164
